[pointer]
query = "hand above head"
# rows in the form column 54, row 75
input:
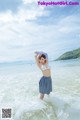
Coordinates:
column 40, row 53
column 37, row 55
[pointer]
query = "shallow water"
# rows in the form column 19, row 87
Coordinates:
column 19, row 91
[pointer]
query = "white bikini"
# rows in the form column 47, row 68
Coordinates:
column 43, row 67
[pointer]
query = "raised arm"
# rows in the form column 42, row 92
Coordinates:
column 41, row 52
column 37, row 61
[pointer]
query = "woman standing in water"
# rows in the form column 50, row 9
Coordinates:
column 45, row 83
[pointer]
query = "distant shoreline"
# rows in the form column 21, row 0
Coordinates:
column 74, row 54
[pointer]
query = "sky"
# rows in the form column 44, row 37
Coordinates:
column 26, row 27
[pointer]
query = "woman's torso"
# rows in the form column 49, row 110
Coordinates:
column 46, row 73
column 46, row 70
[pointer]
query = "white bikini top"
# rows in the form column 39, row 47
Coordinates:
column 43, row 67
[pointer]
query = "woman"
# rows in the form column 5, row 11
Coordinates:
column 45, row 83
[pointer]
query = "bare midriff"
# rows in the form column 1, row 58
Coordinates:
column 46, row 73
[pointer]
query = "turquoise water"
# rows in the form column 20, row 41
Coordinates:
column 19, row 91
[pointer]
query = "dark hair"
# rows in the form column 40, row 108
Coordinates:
column 42, row 56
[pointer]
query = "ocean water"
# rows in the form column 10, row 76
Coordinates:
column 19, row 90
